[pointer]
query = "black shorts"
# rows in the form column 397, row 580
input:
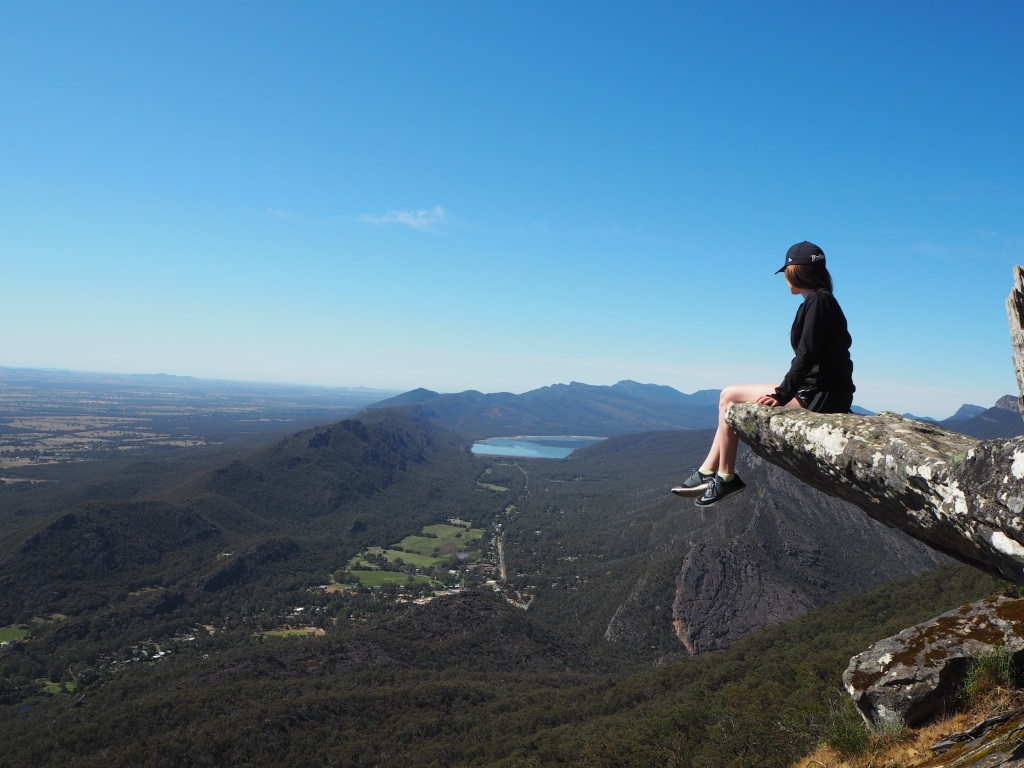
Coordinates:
column 821, row 401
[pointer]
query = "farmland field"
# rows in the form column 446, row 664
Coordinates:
column 7, row 634
column 295, row 632
column 58, row 417
column 395, row 555
column 436, row 545
column 493, row 487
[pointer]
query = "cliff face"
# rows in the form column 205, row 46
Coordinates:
column 797, row 550
column 782, row 550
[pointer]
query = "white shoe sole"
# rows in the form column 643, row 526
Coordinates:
column 720, row 499
column 697, row 490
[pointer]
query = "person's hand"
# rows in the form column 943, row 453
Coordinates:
column 767, row 400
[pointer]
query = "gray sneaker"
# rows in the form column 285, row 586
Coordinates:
column 719, row 490
column 694, row 485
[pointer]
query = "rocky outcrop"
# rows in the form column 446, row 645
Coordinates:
column 961, row 496
column 724, row 594
column 1015, row 317
column 917, row 673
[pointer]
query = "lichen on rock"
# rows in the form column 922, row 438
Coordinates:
column 917, row 673
column 959, row 495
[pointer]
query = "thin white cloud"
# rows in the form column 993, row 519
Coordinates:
column 422, row 220
column 278, row 214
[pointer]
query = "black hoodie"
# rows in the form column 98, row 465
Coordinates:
column 821, row 343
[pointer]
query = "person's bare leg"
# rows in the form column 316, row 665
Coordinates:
column 722, row 456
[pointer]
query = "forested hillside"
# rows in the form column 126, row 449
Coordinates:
column 470, row 682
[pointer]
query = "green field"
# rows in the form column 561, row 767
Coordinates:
column 7, row 634
column 436, row 544
column 493, row 487
column 394, row 555
column 443, row 541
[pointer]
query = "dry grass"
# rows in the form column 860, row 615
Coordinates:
column 913, row 750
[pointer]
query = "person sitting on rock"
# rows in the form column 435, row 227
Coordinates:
column 820, row 378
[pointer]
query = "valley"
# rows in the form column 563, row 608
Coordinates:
column 372, row 593
column 438, row 555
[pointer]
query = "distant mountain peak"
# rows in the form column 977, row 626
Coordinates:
column 1008, row 403
column 967, row 411
column 412, row 397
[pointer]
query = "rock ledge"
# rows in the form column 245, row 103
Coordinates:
column 959, row 495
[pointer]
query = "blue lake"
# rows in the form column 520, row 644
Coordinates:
column 533, row 446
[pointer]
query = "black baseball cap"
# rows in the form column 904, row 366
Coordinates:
column 803, row 253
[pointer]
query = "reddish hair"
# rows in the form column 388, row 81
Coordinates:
column 809, row 276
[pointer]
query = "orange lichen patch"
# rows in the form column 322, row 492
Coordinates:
column 986, row 633
column 861, row 680
column 947, row 628
column 1012, row 611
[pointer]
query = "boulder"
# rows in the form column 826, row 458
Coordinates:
column 916, row 674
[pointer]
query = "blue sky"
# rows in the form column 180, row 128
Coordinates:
column 502, row 196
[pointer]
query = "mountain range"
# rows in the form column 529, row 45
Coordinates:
column 629, row 407
column 308, row 503
column 566, row 409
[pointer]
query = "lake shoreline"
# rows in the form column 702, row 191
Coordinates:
column 533, row 446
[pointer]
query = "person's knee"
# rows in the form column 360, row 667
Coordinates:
column 729, row 395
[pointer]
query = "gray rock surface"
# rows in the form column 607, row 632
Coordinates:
column 794, row 550
column 916, row 674
column 1007, row 403
column 961, row 496
column 1015, row 317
